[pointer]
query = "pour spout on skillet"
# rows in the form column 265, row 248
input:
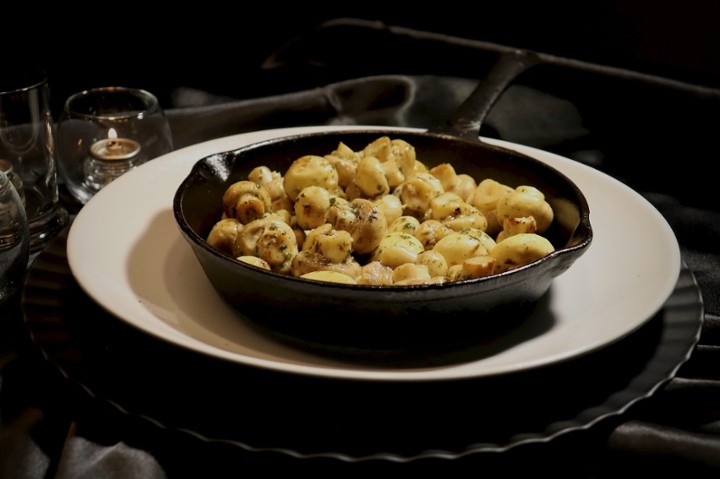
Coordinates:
column 468, row 118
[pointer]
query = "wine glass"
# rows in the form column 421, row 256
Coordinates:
column 104, row 132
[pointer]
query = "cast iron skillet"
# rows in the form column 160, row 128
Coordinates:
column 321, row 314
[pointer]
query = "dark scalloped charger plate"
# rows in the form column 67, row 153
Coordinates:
column 313, row 417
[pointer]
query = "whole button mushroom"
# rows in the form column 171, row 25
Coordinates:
column 246, row 201
column 363, row 219
column 310, row 170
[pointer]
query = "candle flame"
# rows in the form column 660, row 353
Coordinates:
column 112, row 133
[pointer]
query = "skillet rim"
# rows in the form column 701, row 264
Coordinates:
column 560, row 256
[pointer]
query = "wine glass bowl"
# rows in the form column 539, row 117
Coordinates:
column 14, row 237
column 104, row 132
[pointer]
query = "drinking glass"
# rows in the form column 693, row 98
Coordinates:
column 27, row 149
column 14, row 239
column 104, row 132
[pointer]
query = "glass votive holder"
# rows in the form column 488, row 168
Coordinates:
column 14, row 240
column 104, row 132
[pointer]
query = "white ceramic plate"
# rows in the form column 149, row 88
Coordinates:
column 125, row 250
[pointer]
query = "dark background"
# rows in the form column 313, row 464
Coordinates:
column 221, row 48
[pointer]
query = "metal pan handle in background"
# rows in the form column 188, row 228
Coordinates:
column 470, row 115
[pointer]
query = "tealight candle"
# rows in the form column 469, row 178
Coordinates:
column 115, row 149
column 110, row 158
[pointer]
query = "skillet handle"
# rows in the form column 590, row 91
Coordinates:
column 468, row 118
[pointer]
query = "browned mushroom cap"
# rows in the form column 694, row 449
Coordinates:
column 363, row 219
column 310, row 170
column 311, row 206
column 246, row 201
column 271, row 239
column 223, row 235
column 307, row 261
column 417, row 191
